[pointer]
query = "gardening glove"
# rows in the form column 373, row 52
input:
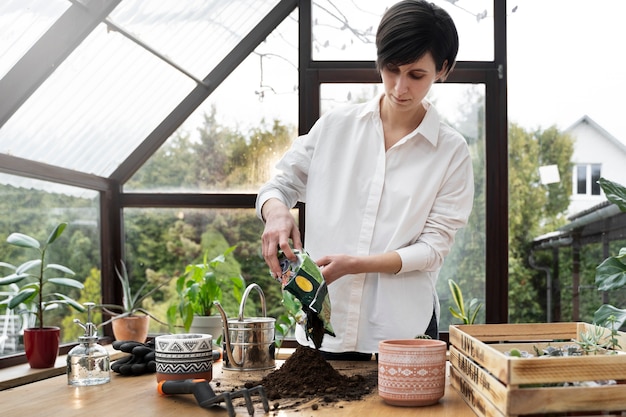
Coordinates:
column 141, row 359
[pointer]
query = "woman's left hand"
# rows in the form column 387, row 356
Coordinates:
column 335, row 266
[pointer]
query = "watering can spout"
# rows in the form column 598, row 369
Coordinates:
column 228, row 349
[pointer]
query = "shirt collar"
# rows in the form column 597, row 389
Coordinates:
column 429, row 128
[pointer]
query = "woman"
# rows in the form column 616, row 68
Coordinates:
column 386, row 184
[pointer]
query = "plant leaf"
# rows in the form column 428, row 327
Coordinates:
column 67, row 282
column 456, row 314
column 61, row 268
column 71, row 302
column 28, row 265
column 24, row 241
column 8, row 265
column 605, row 311
column 457, row 296
column 56, row 233
column 23, row 296
column 474, row 308
column 615, row 192
column 610, row 274
column 10, row 279
column 188, row 317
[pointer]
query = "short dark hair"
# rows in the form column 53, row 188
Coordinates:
column 411, row 28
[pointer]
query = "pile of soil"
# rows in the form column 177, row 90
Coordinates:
column 306, row 374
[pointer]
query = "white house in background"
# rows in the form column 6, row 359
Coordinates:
column 597, row 154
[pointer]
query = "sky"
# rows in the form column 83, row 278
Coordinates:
column 565, row 60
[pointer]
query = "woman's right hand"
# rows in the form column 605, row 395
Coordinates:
column 280, row 227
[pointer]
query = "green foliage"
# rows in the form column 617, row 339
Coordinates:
column 611, row 273
column 131, row 302
column 200, row 286
column 32, row 275
column 595, row 340
column 466, row 261
column 286, row 322
column 534, row 209
column 90, row 293
column 465, row 312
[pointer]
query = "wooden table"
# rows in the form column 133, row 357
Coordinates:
column 138, row 397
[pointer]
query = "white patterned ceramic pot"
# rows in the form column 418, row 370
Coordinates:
column 184, row 356
column 411, row 372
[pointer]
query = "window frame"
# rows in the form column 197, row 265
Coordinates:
column 592, row 188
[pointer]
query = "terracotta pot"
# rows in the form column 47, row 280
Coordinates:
column 184, row 356
column 131, row 328
column 42, row 346
column 411, row 372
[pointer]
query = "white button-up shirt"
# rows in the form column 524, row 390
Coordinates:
column 361, row 200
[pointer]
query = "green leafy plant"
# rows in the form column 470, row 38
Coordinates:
column 286, row 322
column 611, row 273
column 199, row 287
column 466, row 313
column 131, row 303
column 595, row 340
column 34, row 275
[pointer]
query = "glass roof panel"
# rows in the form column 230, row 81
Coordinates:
column 118, row 85
column 254, row 102
column 347, row 30
column 22, row 22
column 96, row 107
column 195, row 34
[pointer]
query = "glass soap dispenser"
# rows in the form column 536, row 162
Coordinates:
column 88, row 363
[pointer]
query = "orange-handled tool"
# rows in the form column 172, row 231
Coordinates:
column 206, row 397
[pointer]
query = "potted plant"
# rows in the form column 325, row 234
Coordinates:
column 465, row 312
column 198, row 288
column 41, row 343
column 130, row 321
column 611, row 273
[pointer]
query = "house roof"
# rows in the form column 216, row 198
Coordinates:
column 589, row 121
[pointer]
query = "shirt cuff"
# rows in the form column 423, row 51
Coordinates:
column 414, row 257
column 263, row 197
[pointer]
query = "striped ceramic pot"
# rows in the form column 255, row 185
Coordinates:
column 184, row 356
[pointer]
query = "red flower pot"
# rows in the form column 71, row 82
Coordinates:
column 42, row 346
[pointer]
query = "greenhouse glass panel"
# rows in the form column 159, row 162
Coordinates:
column 22, row 22
column 96, row 107
column 160, row 243
column 195, row 34
column 124, row 79
column 347, row 30
column 232, row 141
column 462, row 107
column 34, row 208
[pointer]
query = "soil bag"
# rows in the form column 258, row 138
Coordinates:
column 304, row 280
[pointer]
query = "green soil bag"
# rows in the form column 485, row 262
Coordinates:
column 304, row 280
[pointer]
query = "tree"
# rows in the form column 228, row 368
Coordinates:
column 534, row 209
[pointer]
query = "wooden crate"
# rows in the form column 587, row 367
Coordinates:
column 495, row 384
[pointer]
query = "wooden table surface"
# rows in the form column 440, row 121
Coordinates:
column 138, row 397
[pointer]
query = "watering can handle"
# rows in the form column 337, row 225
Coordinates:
column 245, row 297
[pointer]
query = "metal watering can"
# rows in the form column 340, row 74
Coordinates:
column 248, row 342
